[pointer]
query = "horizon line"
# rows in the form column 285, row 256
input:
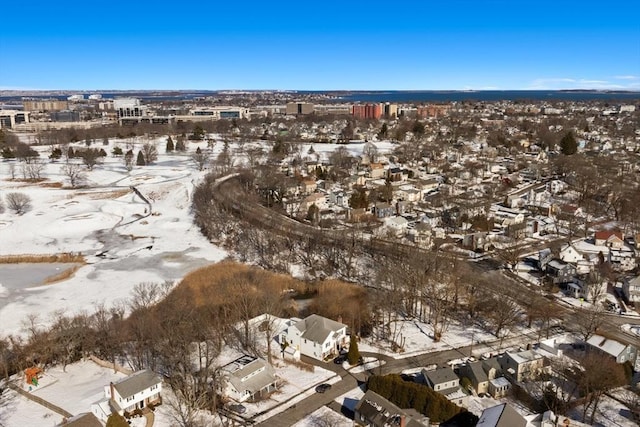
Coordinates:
column 633, row 90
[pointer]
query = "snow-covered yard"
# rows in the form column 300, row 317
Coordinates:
column 324, row 417
column 17, row 410
column 76, row 389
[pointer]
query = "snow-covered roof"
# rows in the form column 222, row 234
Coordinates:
column 609, row 346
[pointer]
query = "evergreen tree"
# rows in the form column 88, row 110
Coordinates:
column 180, row 145
column 117, row 151
column 568, row 144
column 353, row 356
column 170, row 146
column 140, row 160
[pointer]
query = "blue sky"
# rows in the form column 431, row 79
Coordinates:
column 323, row 45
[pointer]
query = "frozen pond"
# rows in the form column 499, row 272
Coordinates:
column 24, row 275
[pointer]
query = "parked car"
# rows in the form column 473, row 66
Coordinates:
column 323, row 387
column 237, row 408
column 339, row 360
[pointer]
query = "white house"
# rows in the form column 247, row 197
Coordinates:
column 248, row 378
column 139, row 390
column 314, row 336
column 631, row 289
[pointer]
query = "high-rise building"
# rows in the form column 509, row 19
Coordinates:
column 367, row 111
column 44, row 105
column 129, row 107
column 299, row 108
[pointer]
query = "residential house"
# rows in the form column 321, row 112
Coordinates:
column 447, row 383
column 610, row 238
column 383, row 210
column 473, row 241
column 317, row 199
column 556, row 186
column 396, row 174
column 396, row 225
column 502, row 415
column 569, row 254
column 422, row 235
column 560, row 271
column 622, row 258
column 499, row 387
column 523, row 365
column 486, row 377
column 631, row 289
column 476, row 375
column 315, row 336
column 86, row 419
column 541, row 224
column 544, row 257
column 308, row 186
column 376, row 171
column 137, row 391
column 620, row 352
column 248, row 378
column 374, row 410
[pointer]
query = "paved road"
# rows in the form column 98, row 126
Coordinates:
column 350, row 381
column 230, row 195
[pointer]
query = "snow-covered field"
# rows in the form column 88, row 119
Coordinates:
column 107, row 218
column 104, row 217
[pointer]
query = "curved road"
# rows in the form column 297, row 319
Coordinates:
column 228, row 193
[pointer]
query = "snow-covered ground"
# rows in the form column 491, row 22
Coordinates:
column 76, row 389
column 351, row 398
column 17, row 410
column 324, row 417
column 104, row 217
column 417, row 338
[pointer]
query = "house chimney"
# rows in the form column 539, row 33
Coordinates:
column 339, row 319
column 111, row 390
column 403, row 421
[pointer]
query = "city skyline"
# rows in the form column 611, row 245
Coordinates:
column 357, row 46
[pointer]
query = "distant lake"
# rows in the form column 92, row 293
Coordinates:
column 388, row 96
column 489, row 95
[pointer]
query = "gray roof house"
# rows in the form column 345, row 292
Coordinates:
column 248, row 378
column 137, row 391
column 447, row 383
column 374, row 410
column 501, row 416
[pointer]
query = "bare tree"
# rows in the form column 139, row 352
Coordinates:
column 588, row 320
column 598, row 374
column 1, row 206
column 18, row 202
column 12, row 170
column 503, row 313
column 74, row 174
column 150, row 152
column 32, row 168
column 200, row 158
